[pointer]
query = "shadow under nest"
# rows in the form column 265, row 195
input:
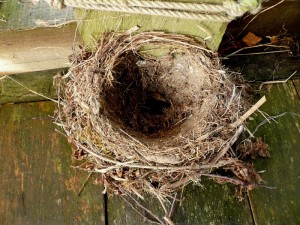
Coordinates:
column 153, row 123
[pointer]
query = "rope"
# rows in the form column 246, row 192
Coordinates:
column 157, row 4
column 56, row 3
column 224, row 12
column 149, row 11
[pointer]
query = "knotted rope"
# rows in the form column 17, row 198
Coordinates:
column 224, row 12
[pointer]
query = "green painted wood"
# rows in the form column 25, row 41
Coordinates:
column 282, row 205
column 16, row 14
column 38, row 186
column 120, row 212
column 40, row 82
column 211, row 204
column 94, row 23
column 297, row 87
column 282, row 19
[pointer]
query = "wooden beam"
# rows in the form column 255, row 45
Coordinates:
column 36, row 49
column 213, row 204
column 94, row 23
column 280, row 205
column 38, row 185
column 39, row 82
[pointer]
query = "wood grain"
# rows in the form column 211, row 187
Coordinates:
column 36, row 50
column 40, row 82
column 210, row 204
column 94, row 23
column 38, row 186
column 281, row 205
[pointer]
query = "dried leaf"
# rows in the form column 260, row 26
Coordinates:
column 274, row 39
column 258, row 148
column 251, row 39
column 245, row 172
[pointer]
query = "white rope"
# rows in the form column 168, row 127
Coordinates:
column 224, row 12
column 150, row 11
column 56, row 3
column 157, row 4
column 239, row 8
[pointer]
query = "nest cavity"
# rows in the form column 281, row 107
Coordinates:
column 147, row 121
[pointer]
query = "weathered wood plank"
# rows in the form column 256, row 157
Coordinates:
column 275, row 66
column 25, row 49
column 297, row 86
column 40, row 82
column 282, row 205
column 119, row 212
column 21, row 15
column 37, row 184
column 94, row 23
column 212, row 204
column 36, row 50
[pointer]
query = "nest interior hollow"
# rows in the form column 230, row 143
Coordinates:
column 152, row 98
column 132, row 103
column 150, row 123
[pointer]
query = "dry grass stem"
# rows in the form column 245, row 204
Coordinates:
column 255, row 46
column 262, row 53
column 277, row 81
column 262, row 11
column 27, row 88
column 253, row 109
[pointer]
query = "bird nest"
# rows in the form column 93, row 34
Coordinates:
column 152, row 123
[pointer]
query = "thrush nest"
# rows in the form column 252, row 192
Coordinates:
column 151, row 123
